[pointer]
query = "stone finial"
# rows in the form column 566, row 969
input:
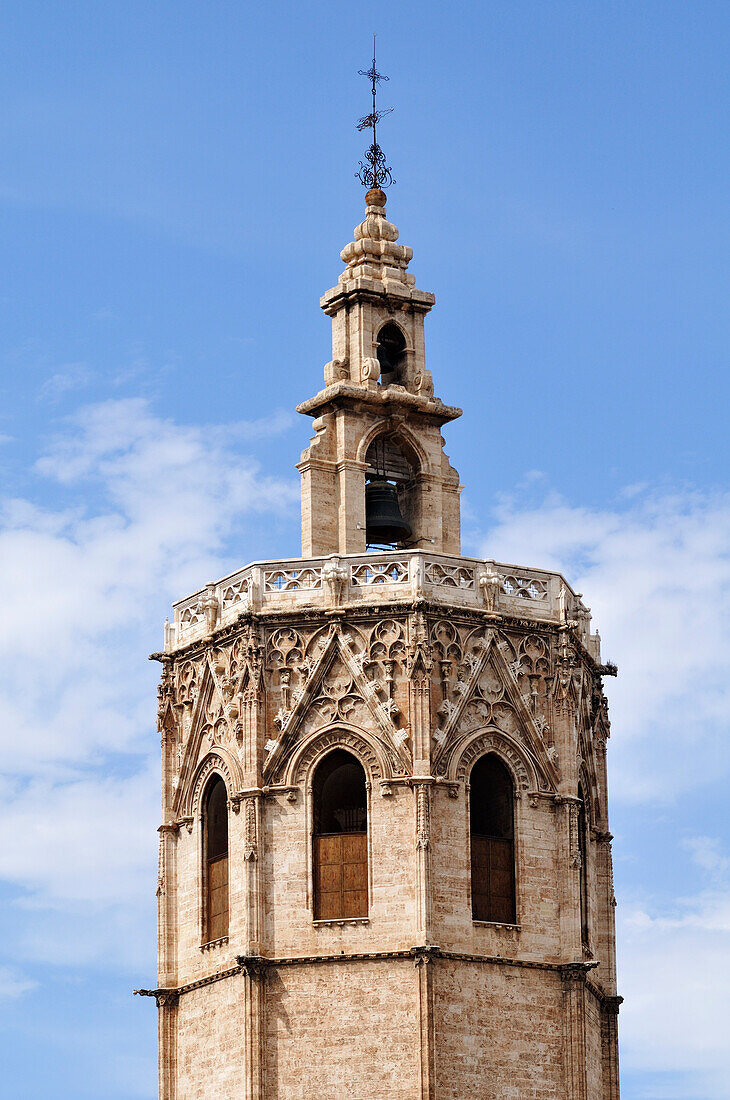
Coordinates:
column 374, row 253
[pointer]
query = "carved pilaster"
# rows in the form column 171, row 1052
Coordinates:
column 423, row 962
column 167, row 906
column 574, row 1016
column 422, row 792
column 420, row 666
column 569, row 878
column 609, row 1040
column 253, row 969
column 251, row 808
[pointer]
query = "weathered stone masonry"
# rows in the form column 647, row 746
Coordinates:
column 418, row 661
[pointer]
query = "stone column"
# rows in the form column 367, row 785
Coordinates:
column 423, row 959
column 574, row 1015
column 167, row 1009
column 253, row 969
column 609, row 1039
column 251, row 808
column 166, row 907
column 422, row 792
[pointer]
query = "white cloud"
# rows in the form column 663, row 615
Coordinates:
column 148, row 507
column 656, row 573
column 675, row 977
column 13, row 983
column 73, row 376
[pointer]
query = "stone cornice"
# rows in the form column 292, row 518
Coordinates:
column 382, row 402
column 255, row 967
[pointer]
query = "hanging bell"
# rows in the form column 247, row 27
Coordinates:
column 384, row 524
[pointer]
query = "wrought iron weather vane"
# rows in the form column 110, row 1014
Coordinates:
column 373, row 171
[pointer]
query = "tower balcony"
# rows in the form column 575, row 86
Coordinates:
column 339, row 584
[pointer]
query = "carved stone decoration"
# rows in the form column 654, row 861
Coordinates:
column 222, row 762
column 250, row 839
column 487, row 695
column 532, row 669
column 490, row 586
column 387, row 643
column 211, row 608
column 419, row 653
column 523, row 770
column 301, row 767
column 338, row 690
column 423, row 817
column 161, row 869
column 370, row 370
column 573, row 838
column 335, row 577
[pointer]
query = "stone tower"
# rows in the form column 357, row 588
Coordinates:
column 385, row 864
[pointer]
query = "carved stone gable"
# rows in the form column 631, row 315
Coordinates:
column 334, row 687
column 487, row 695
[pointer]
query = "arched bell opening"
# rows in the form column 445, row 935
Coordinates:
column 492, row 828
column 340, row 837
column 391, row 352
column 215, row 857
column 389, row 491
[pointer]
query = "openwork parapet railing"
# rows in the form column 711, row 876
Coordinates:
column 366, row 578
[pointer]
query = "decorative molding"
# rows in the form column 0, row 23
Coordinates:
column 212, row 944
column 336, row 737
column 217, row 761
column 493, row 740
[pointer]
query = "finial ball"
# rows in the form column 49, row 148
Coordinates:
column 375, row 197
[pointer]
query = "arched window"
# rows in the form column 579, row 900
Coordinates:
column 491, row 810
column 340, row 838
column 583, row 850
column 216, row 860
column 391, row 354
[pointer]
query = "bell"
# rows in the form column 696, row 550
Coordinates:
column 384, row 524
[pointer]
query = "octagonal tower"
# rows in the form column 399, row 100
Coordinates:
column 385, row 864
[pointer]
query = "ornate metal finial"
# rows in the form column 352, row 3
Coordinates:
column 373, row 171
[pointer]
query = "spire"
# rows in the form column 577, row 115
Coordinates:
column 376, row 469
column 373, row 172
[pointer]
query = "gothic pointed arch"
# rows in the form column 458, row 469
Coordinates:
column 513, row 754
column 379, row 762
column 220, row 762
column 407, row 440
column 215, row 859
column 492, row 840
column 340, row 836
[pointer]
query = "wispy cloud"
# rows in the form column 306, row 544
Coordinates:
column 13, row 983
column 656, row 572
column 149, row 507
column 74, row 376
column 675, row 977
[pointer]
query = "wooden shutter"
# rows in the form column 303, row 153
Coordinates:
column 340, row 876
column 492, row 879
column 217, row 910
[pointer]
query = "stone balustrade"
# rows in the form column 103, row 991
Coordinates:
column 297, row 584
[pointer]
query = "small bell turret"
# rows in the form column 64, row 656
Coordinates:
column 384, row 523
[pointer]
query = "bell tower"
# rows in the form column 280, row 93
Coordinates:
column 385, row 863
column 377, row 421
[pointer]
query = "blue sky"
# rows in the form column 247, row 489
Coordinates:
column 176, row 183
